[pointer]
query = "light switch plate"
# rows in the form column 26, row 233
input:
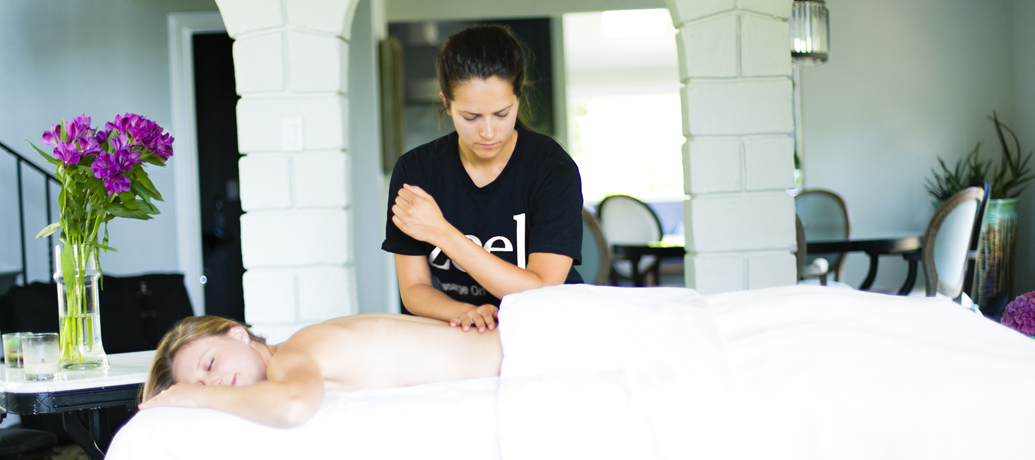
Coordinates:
column 291, row 133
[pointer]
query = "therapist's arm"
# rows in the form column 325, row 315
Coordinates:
column 422, row 299
column 417, row 215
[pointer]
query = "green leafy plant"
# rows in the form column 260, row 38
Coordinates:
column 969, row 172
column 1012, row 174
column 1009, row 177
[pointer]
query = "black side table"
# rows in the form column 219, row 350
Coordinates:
column 81, row 397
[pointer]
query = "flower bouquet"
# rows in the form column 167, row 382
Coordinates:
column 1019, row 315
column 102, row 177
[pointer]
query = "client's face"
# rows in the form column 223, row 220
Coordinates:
column 229, row 359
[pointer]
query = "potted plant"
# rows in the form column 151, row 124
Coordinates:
column 1008, row 178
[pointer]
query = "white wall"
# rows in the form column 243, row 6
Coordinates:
column 906, row 82
column 102, row 57
column 1022, row 20
column 369, row 187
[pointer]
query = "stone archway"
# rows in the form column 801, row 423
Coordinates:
column 735, row 63
column 290, row 61
column 290, row 58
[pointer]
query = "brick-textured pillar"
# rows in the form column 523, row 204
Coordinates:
column 735, row 65
column 290, row 60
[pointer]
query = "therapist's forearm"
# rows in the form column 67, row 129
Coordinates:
column 424, row 300
column 496, row 275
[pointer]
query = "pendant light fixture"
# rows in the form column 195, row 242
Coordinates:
column 810, row 32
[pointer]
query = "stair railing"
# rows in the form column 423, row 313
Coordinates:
column 23, row 238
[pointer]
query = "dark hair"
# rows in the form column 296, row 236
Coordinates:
column 480, row 52
column 182, row 334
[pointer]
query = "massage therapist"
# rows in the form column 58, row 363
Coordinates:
column 491, row 209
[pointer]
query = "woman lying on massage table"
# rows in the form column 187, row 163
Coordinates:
column 213, row 362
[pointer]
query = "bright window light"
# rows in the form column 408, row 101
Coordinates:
column 635, row 23
column 629, row 145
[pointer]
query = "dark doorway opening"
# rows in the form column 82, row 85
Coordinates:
column 215, row 99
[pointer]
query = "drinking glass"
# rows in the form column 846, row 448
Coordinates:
column 42, row 354
column 13, row 349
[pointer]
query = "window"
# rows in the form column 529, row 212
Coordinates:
column 624, row 118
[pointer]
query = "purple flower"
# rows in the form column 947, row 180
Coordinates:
column 89, row 145
column 52, row 135
column 125, row 157
column 118, row 142
column 162, row 146
column 78, row 127
column 112, row 166
column 81, row 140
column 143, row 132
column 119, row 124
column 106, row 165
column 68, row 153
column 116, row 184
column 1020, row 314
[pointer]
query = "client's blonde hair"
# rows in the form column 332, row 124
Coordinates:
column 183, row 333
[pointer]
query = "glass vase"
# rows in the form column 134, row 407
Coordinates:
column 993, row 287
column 79, row 309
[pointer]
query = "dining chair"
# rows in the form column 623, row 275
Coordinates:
column 824, row 216
column 970, row 279
column 626, row 220
column 947, row 243
column 818, row 268
column 596, row 252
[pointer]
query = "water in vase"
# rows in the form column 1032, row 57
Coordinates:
column 85, row 350
column 79, row 315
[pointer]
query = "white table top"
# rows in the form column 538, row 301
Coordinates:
column 123, row 369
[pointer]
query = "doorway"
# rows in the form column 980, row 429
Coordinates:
column 215, row 102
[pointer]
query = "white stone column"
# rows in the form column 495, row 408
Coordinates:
column 290, row 60
column 735, row 65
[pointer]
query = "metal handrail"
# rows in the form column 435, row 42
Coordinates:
column 47, row 179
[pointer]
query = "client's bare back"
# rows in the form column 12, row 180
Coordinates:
column 384, row 350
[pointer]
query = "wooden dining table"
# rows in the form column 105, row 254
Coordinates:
column 907, row 245
column 875, row 246
column 671, row 246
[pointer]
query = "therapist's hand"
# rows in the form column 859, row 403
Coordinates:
column 417, row 215
column 482, row 318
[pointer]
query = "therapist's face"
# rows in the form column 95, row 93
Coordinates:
column 228, row 359
column 484, row 113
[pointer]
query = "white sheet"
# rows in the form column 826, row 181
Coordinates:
column 595, row 372
column 448, row 420
column 606, row 372
column 841, row 374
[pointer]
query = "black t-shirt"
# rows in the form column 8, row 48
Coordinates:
column 534, row 205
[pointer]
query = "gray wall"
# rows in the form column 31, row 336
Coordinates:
column 425, row 10
column 62, row 58
column 907, row 82
column 1022, row 18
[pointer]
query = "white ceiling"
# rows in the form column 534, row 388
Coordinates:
column 635, row 39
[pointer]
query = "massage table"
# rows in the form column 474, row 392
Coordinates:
column 801, row 372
